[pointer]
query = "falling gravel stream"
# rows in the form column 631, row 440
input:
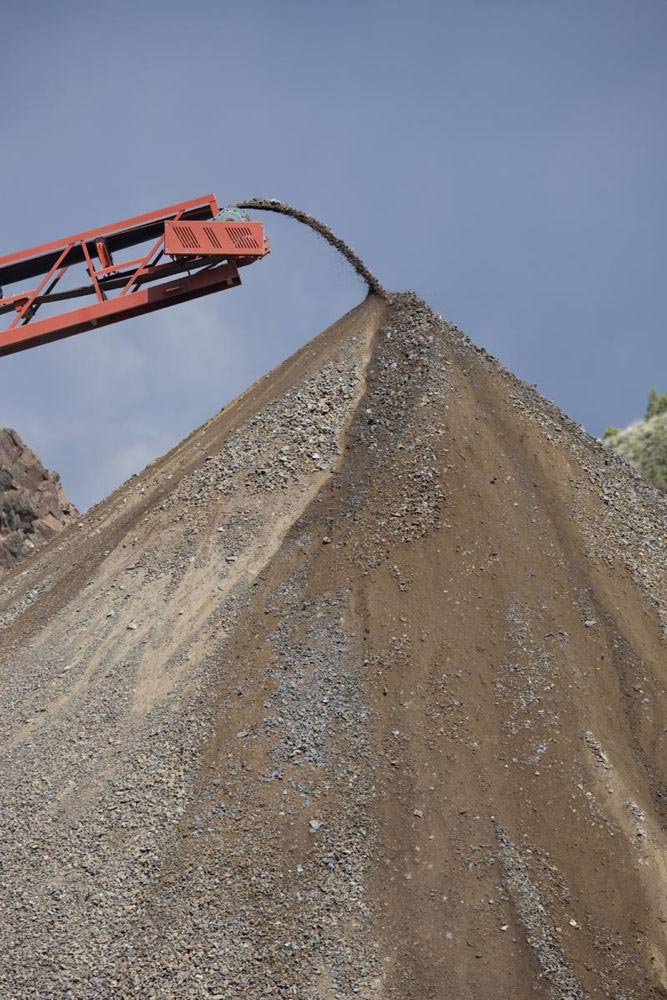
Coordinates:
column 271, row 205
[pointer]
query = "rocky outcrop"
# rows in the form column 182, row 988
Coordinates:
column 33, row 506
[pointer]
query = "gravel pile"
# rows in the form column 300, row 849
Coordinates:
column 105, row 716
column 407, row 379
column 297, row 434
column 359, row 692
column 632, row 523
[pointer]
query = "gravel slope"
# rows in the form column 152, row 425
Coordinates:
column 359, row 692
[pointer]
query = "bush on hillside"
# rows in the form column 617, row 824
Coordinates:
column 657, row 404
column 644, row 443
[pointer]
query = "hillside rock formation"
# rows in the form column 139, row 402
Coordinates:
column 358, row 692
column 33, row 507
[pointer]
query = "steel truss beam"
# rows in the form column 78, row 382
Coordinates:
column 205, row 252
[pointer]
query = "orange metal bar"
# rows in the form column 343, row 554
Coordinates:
column 113, row 310
column 143, row 267
column 91, row 271
column 132, row 223
column 32, row 295
column 210, row 251
column 49, row 288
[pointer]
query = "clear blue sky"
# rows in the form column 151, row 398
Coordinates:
column 507, row 160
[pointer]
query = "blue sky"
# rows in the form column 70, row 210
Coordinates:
column 506, row 160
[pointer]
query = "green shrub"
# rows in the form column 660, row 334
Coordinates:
column 644, row 445
column 657, row 404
